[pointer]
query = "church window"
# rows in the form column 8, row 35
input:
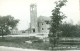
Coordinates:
column 48, row 28
column 47, row 22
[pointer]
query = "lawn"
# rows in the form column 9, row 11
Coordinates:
column 40, row 46
column 19, row 42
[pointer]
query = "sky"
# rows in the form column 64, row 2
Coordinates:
column 20, row 9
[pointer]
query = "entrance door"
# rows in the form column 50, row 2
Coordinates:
column 33, row 30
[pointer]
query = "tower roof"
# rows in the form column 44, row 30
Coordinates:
column 33, row 5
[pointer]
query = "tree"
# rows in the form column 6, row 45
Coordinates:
column 70, row 30
column 6, row 24
column 56, row 19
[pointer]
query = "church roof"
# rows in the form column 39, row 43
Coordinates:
column 43, row 18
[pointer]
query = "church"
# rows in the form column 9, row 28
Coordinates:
column 38, row 24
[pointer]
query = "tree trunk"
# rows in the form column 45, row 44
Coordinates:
column 3, row 36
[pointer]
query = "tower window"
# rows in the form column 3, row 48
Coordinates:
column 42, row 23
column 31, row 9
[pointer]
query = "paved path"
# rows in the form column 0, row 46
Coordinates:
column 3, row 48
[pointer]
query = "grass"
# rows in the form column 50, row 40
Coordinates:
column 19, row 42
column 40, row 46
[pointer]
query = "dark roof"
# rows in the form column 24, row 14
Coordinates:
column 43, row 18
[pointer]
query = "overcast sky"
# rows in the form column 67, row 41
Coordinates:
column 20, row 9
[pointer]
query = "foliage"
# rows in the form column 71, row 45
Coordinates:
column 69, row 30
column 56, row 19
column 6, row 24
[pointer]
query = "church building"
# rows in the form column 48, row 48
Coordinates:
column 38, row 24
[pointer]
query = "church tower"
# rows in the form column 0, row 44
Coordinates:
column 33, row 18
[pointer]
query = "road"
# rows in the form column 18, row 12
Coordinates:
column 3, row 48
